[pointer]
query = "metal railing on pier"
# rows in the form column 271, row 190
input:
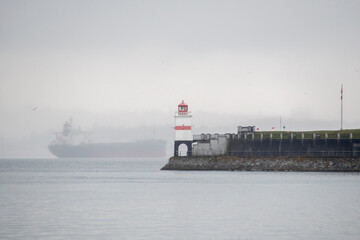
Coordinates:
column 306, row 154
column 275, row 154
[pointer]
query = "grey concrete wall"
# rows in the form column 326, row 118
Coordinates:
column 212, row 147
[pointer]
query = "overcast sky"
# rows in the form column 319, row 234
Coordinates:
column 128, row 63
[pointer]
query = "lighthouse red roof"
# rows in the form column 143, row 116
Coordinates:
column 183, row 108
column 182, row 103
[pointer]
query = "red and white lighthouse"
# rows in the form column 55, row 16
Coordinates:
column 183, row 133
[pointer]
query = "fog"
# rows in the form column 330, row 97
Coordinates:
column 119, row 68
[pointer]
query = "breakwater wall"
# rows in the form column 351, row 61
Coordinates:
column 308, row 147
column 262, row 163
column 312, row 143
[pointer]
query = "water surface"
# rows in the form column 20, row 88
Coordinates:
column 133, row 199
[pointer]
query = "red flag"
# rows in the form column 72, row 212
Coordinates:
column 273, row 128
column 341, row 92
column 257, row 129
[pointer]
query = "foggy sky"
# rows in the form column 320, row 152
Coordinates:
column 129, row 63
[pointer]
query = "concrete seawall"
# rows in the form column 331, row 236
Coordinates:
column 280, row 163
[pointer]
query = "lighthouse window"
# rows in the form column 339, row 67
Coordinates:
column 183, row 109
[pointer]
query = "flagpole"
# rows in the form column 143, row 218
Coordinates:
column 341, row 107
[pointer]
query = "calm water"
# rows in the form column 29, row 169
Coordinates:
column 133, row 199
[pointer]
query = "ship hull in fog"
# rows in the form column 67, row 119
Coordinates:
column 138, row 149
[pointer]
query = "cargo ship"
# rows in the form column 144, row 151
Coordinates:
column 74, row 143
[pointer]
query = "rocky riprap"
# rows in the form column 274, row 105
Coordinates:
column 298, row 163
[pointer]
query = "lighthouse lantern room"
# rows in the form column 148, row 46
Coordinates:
column 183, row 134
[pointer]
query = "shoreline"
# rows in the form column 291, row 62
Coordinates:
column 271, row 163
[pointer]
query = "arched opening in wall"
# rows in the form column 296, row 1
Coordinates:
column 182, row 150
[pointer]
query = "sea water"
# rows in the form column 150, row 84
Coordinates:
column 133, row 199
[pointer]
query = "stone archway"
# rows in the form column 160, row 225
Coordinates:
column 182, row 150
column 187, row 148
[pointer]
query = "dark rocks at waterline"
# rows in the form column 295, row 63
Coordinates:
column 281, row 163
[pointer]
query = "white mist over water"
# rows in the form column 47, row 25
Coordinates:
column 129, row 63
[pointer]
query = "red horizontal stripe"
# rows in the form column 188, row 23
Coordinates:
column 183, row 128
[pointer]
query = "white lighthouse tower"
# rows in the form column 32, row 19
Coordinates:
column 183, row 134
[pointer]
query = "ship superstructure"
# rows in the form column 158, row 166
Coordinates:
column 71, row 136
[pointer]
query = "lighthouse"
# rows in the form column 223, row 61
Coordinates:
column 183, row 134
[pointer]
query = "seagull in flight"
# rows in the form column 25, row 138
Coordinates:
column 35, row 108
